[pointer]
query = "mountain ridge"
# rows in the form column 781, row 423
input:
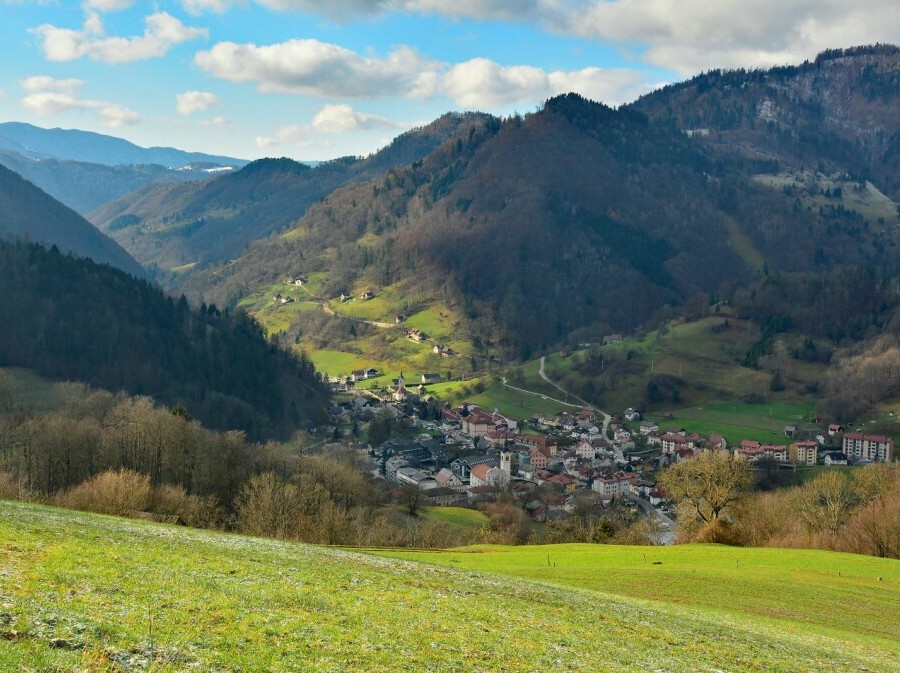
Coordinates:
column 87, row 146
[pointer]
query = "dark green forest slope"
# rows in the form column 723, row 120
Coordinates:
column 71, row 319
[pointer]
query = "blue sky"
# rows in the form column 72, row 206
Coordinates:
column 317, row 80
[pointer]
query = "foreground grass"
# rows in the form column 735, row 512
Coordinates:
column 841, row 595
column 85, row 593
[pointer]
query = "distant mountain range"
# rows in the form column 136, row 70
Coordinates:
column 95, row 148
column 186, row 227
column 27, row 212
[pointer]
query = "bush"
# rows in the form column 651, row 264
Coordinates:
column 121, row 492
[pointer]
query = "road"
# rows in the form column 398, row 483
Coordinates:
column 666, row 534
column 584, row 404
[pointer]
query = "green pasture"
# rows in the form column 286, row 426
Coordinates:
column 840, row 595
column 764, row 422
column 86, row 593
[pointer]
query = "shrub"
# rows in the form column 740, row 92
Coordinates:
column 121, row 492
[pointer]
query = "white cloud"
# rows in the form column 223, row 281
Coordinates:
column 163, row 32
column 287, row 135
column 190, row 102
column 50, row 97
column 692, row 35
column 108, row 5
column 682, row 35
column 314, row 68
column 216, row 122
column 343, row 119
column 484, row 84
column 45, row 83
column 199, row 6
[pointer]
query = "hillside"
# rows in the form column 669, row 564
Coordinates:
column 576, row 221
column 182, row 228
column 96, row 148
column 85, row 186
column 28, row 212
column 191, row 599
column 836, row 115
column 70, row 319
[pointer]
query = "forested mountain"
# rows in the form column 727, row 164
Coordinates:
column 28, row 212
column 85, row 186
column 580, row 219
column 189, row 226
column 71, row 144
column 837, row 114
column 71, row 319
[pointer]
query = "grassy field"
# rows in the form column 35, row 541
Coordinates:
column 460, row 517
column 28, row 390
column 80, row 592
column 839, row 595
column 737, row 420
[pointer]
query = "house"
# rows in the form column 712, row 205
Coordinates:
column 411, row 476
column 632, row 414
column 805, row 452
column 370, row 373
column 586, row 417
column 834, row 429
column 874, row 448
column 368, row 294
column 446, row 479
column 485, row 475
column 477, row 423
column 499, row 438
column 612, row 339
column 431, row 377
column 416, row 335
column 835, row 458
column 568, row 483
column 462, row 467
column 357, row 374
column 585, row 449
column 542, row 442
column 299, row 281
column 402, row 394
column 672, row 441
column 613, row 485
column 441, row 497
column 648, row 428
column 539, row 459
column 790, row 430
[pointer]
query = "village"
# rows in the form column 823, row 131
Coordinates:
column 467, row 455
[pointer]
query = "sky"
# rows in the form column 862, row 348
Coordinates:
column 318, row 80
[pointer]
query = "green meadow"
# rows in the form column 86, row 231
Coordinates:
column 81, row 592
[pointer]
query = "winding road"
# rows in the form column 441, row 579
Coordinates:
column 581, row 403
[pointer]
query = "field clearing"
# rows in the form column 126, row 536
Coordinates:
column 459, row 517
column 88, row 593
column 736, row 420
column 795, row 590
column 518, row 404
column 29, row 390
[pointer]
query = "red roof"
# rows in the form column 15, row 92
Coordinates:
column 481, row 471
column 870, row 438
